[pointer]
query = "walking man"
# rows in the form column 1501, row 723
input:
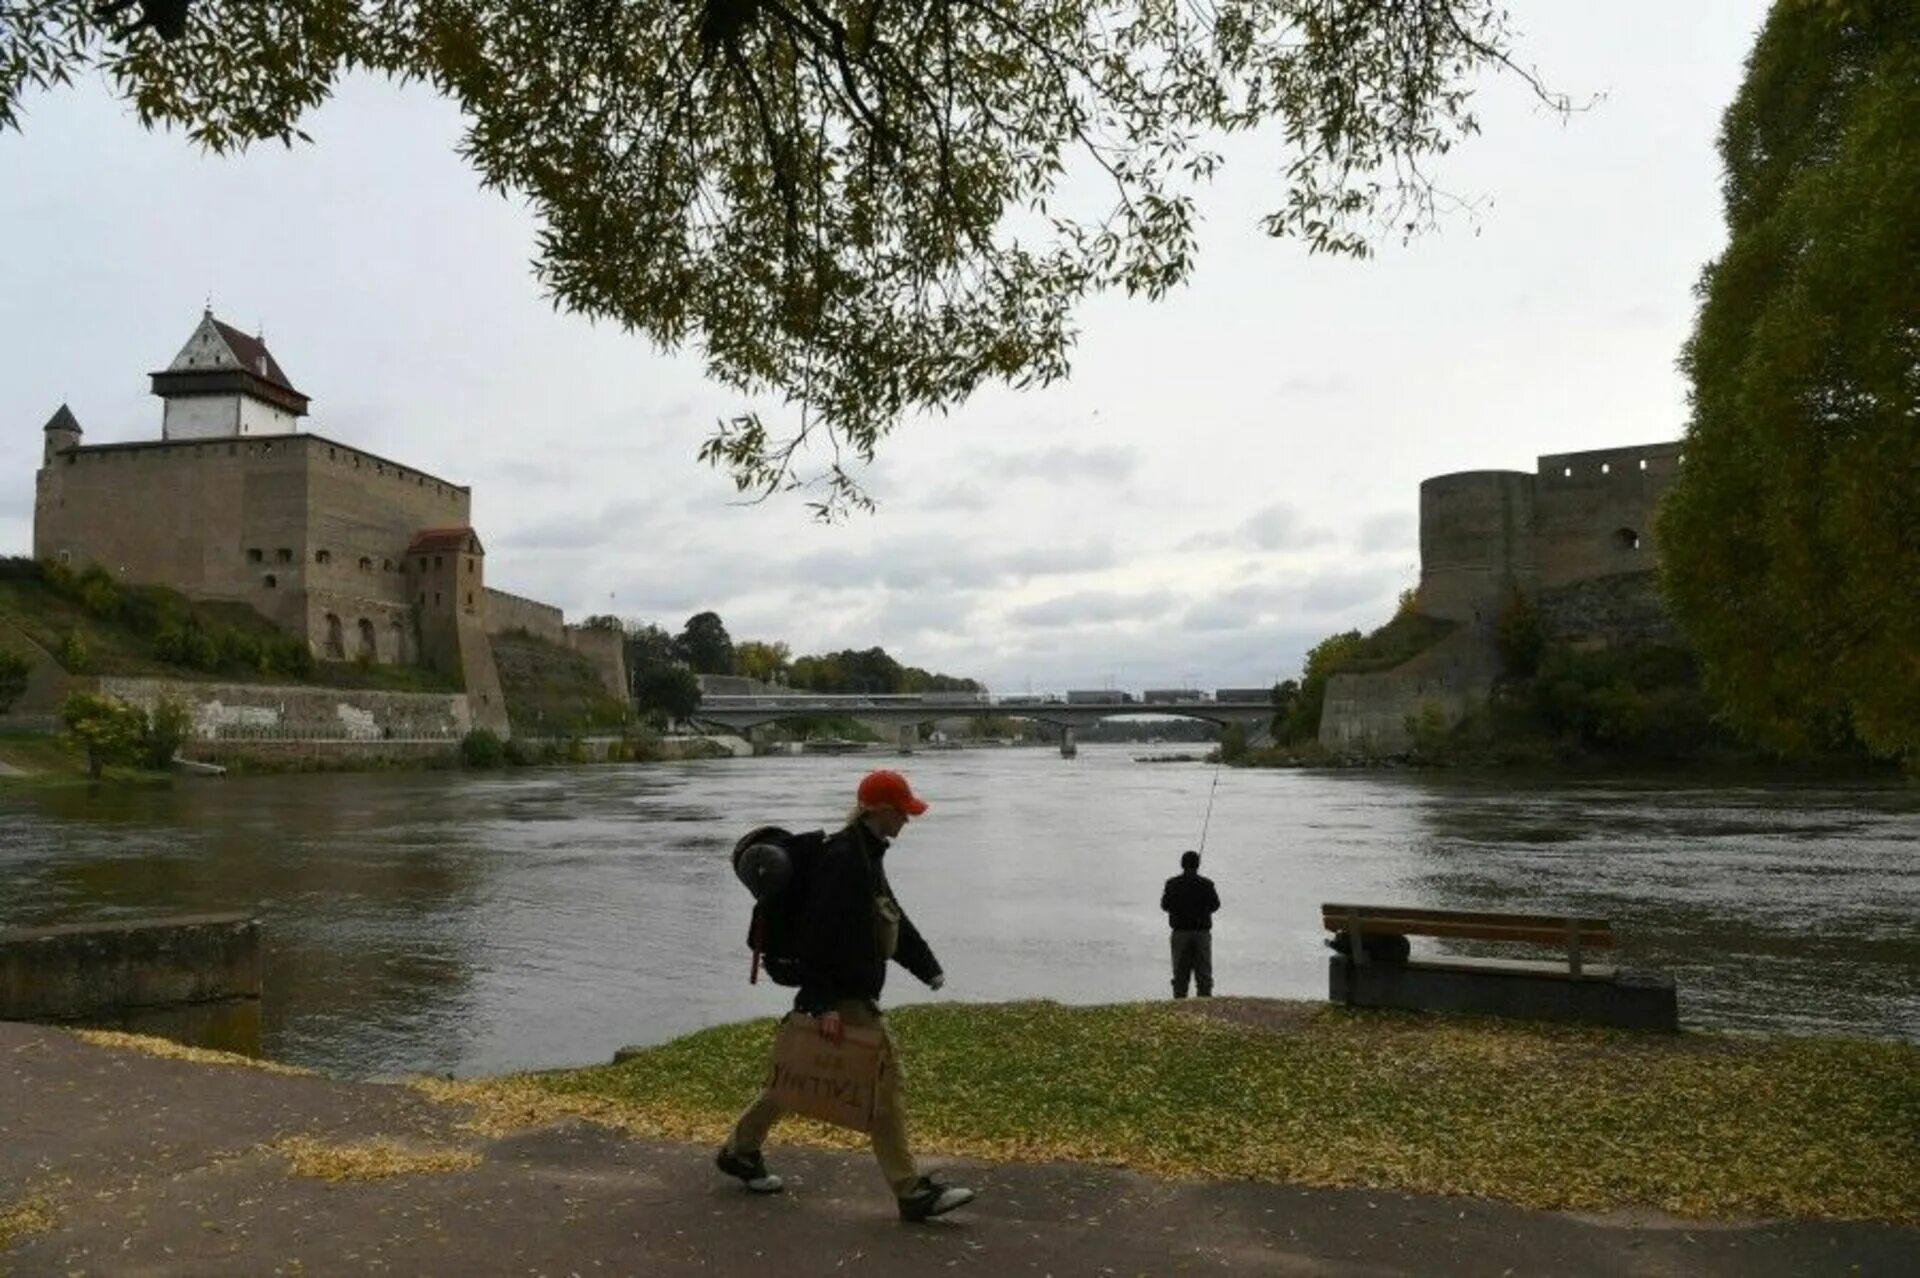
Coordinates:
column 1190, row 902
column 851, row 925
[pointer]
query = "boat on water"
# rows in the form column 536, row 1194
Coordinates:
column 833, row 745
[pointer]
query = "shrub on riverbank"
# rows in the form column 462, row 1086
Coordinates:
column 1698, row 1124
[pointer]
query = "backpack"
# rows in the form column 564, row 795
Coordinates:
column 1380, row 947
column 776, row 865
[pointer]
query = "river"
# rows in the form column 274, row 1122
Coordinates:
column 480, row 922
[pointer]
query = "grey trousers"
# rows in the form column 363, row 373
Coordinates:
column 1192, row 958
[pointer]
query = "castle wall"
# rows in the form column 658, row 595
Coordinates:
column 304, row 529
column 1366, row 714
column 362, row 512
column 607, row 650
column 1476, row 543
column 516, row 612
column 183, row 514
column 1594, row 511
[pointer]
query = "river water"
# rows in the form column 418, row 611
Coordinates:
column 476, row 923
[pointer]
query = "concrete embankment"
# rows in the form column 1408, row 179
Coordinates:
column 117, row 1161
column 84, row 970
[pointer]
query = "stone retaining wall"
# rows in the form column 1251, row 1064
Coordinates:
column 278, row 712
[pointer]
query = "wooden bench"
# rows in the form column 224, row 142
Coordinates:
column 1567, row 988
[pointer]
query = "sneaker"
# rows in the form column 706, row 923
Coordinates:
column 750, row 1170
column 930, row 1198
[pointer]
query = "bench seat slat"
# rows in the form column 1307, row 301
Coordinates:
column 1554, row 935
column 1371, row 913
column 1513, row 967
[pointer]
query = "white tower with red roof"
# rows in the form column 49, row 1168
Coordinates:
column 224, row 384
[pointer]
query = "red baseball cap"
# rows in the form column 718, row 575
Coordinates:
column 888, row 789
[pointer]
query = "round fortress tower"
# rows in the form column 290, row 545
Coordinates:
column 1476, row 543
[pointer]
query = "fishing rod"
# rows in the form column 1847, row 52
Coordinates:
column 1209, row 817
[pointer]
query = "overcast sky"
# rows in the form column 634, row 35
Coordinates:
column 1229, row 475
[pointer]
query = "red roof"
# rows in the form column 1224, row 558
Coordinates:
column 444, row 539
column 253, row 355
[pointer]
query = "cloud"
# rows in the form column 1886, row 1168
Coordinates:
column 1318, row 384
column 1089, row 606
column 1272, row 528
column 936, row 561
column 1394, row 531
column 616, row 523
column 1064, row 464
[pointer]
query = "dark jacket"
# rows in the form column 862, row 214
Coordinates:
column 839, row 945
column 1189, row 900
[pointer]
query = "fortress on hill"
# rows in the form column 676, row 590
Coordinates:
column 1574, row 536
column 362, row 556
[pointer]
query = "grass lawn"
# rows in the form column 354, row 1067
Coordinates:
column 1697, row 1124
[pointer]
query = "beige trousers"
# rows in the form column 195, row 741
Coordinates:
column 889, row 1110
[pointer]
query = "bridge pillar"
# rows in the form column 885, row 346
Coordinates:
column 1068, row 746
column 909, row 737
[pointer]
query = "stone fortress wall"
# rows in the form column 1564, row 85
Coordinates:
column 364, row 557
column 1575, row 536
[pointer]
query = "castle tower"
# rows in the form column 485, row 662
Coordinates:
column 224, row 383
column 62, row 432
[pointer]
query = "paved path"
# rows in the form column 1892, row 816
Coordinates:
column 154, row 1166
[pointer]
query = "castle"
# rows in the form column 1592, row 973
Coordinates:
column 1574, row 536
column 364, row 557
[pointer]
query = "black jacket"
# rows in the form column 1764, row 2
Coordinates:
column 1189, row 900
column 839, row 948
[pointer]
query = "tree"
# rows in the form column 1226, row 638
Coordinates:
column 164, row 732
column 862, row 210
column 671, row 693
column 763, row 661
column 649, row 647
column 107, row 728
column 14, row 670
column 1791, row 539
column 1324, row 660
column 705, row 645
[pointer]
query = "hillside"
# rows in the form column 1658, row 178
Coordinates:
column 552, row 690
column 91, row 624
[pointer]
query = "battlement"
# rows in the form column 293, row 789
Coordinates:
column 274, row 449
column 1609, row 465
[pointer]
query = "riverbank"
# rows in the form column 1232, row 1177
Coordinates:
column 115, row 1159
column 38, row 761
column 1702, row 1125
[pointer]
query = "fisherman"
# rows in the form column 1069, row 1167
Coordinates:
column 1190, row 902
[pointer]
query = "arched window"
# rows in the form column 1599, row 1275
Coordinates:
column 399, row 637
column 271, row 581
column 283, row 555
column 256, row 555
column 368, row 649
column 366, row 564
column 1626, row 539
column 336, row 642
column 323, row 556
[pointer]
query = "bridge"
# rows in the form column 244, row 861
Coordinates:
column 743, row 713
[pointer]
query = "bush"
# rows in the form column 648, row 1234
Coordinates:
column 106, row 728
column 13, row 679
column 481, row 748
column 167, row 728
column 1427, row 732
column 72, row 653
column 519, row 754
